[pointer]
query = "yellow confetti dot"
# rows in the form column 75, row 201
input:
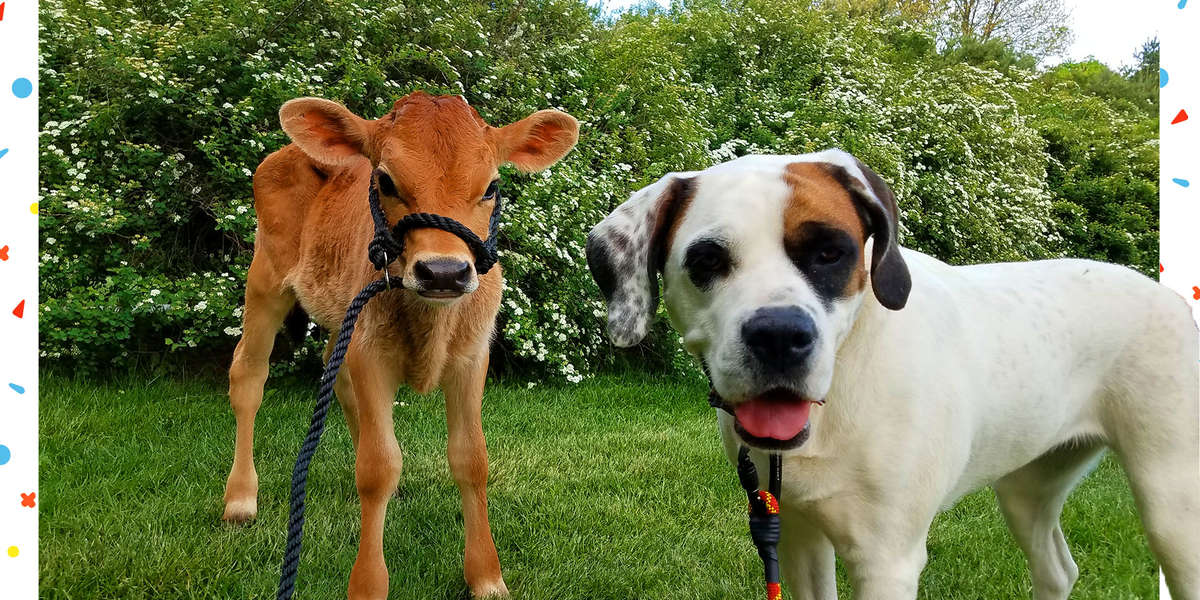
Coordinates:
column 33, row 208
column 13, row 551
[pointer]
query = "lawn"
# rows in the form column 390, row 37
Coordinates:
column 614, row 488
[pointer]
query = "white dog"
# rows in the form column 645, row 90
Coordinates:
column 890, row 406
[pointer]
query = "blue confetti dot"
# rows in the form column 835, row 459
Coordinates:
column 1181, row 182
column 22, row 87
column 1182, row 3
column 20, row 389
column 3, row 152
column 5, row 454
column 1163, row 78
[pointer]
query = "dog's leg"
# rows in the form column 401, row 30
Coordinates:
column 344, row 388
column 888, row 572
column 1031, row 499
column 806, row 560
column 1151, row 416
column 1161, row 465
column 377, row 465
column 467, row 453
column 880, row 538
column 267, row 304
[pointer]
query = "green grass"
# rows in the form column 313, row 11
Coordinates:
column 615, row 488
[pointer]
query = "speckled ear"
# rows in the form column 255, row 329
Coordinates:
column 625, row 253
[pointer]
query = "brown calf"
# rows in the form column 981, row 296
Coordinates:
column 438, row 156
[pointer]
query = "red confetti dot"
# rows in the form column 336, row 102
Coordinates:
column 1181, row 117
column 1196, row 292
column 29, row 500
column 4, row 250
column 19, row 311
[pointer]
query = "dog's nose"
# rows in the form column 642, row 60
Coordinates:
column 780, row 337
column 443, row 275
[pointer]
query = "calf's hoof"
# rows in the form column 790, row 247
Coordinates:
column 495, row 589
column 240, row 511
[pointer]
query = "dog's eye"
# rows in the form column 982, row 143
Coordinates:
column 493, row 188
column 705, row 261
column 829, row 255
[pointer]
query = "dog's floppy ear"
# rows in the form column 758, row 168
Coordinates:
column 626, row 251
column 890, row 279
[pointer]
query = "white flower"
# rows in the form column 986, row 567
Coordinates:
column 233, row 331
column 201, row 305
column 154, row 293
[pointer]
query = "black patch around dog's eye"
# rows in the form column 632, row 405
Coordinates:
column 826, row 255
column 705, row 261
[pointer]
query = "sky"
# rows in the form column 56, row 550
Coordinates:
column 1109, row 30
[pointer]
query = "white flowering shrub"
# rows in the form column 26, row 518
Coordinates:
column 155, row 115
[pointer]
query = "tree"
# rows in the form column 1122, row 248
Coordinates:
column 1035, row 27
column 1145, row 75
column 922, row 12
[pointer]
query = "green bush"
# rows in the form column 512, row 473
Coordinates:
column 155, row 115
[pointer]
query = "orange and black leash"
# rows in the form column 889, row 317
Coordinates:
column 764, row 504
column 764, row 515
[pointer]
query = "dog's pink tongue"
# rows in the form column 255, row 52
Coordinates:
column 775, row 419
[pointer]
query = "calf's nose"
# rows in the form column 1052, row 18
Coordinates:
column 443, row 275
column 780, row 337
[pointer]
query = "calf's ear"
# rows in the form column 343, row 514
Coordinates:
column 325, row 130
column 626, row 251
column 537, row 141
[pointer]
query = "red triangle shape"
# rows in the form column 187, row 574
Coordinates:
column 1181, row 117
column 19, row 311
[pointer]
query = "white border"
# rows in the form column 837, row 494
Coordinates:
column 18, row 230
column 1180, row 248
column 1179, row 207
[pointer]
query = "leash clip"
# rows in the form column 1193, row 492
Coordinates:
column 386, row 263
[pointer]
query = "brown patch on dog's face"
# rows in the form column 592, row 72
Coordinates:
column 824, row 233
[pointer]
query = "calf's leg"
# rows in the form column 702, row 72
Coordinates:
column 267, row 304
column 467, row 453
column 377, row 466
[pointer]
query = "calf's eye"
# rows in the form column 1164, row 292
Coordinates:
column 493, row 189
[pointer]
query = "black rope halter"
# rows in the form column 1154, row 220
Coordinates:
column 385, row 248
